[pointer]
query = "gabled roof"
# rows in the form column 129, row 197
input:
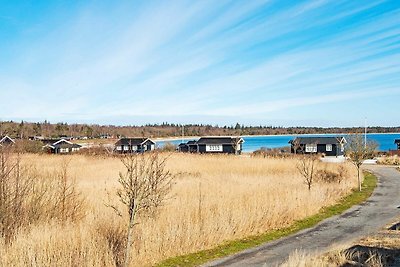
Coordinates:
column 67, row 145
column 319, row 140
column 133, row 141
column 219, row 140
column 397, row 141
column 6, row 139
column 49, row 141
column 59, row 143
column 189, row 143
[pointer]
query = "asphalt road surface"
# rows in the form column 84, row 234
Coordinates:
column 359, row 221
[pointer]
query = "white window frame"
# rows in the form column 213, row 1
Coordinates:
column 64, row 150
column 119, row 148
column 134, row 148
column 328, row 147
column 311, row 148
column 214, row 148
column 126, row 148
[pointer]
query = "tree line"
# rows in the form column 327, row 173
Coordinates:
column 25, row 129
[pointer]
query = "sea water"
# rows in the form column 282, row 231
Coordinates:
column 385, row 141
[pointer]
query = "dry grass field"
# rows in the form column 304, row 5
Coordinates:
column 214, row 198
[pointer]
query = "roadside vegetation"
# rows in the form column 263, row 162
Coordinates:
column 389, row 160
column 381, row 249
column 216, row 198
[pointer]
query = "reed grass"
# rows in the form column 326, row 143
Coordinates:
column 215, row 198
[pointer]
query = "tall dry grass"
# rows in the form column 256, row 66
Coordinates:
column 215, row 198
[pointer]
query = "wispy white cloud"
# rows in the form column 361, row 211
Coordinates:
column 216, row 59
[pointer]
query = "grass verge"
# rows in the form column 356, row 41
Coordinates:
column 231, row 247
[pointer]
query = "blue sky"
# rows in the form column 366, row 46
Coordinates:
column 283, row 63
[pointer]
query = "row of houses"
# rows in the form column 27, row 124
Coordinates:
column 56, row 146
column 329, row 146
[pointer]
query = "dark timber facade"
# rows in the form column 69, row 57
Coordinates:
column 397, row 142
column 215, row 144
column 60, row 146
column 134, row 145
column 329, row 146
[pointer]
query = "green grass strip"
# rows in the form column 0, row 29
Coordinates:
column 232, row 247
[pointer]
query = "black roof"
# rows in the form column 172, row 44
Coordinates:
column 59, row 143
column 219, row 140
column 132, row 141
column 49, row 141
column 6, row 139
column 319, row 140
column 192, row 142
column 397, row 141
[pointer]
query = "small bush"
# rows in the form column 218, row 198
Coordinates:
column 27, row 196
column 328, row 176
column 389, row 160
column 115, row 237
column 271, row 152
column 168, row 147
column 98, row 151
column 29, row 146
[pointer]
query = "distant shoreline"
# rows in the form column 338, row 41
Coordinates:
column 166, row 139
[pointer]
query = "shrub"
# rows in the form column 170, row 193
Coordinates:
column 100, row 151
column 328, row 176
column 29, row 146
column 28, row 197
column 168, row 147
column 115, row 237
column 271, row 152
column 389, row 160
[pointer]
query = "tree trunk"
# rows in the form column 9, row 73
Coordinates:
column 129, row 237
column 359, row 180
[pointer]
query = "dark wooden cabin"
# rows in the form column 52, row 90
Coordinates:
column 330, row 146
column 60, row 146
column 190, row 146
column 397, row 142
column 6, row 141
column 134, row 145
column 214, row 144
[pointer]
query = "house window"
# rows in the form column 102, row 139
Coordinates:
column 119, row 148
column 75, row 149
column 134, row 148
column 311, row 148
column 126, row 148
column 214, row 148
column 152, row 147
column 328, row 147
column 64, row 150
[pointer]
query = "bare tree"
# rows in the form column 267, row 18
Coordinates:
column 357, row 150
column 306, row 167
column 144, row 187
column 296, row 145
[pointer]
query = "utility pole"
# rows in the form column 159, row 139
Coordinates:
column 365, row 133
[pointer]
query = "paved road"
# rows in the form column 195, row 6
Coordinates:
column 361, row 220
